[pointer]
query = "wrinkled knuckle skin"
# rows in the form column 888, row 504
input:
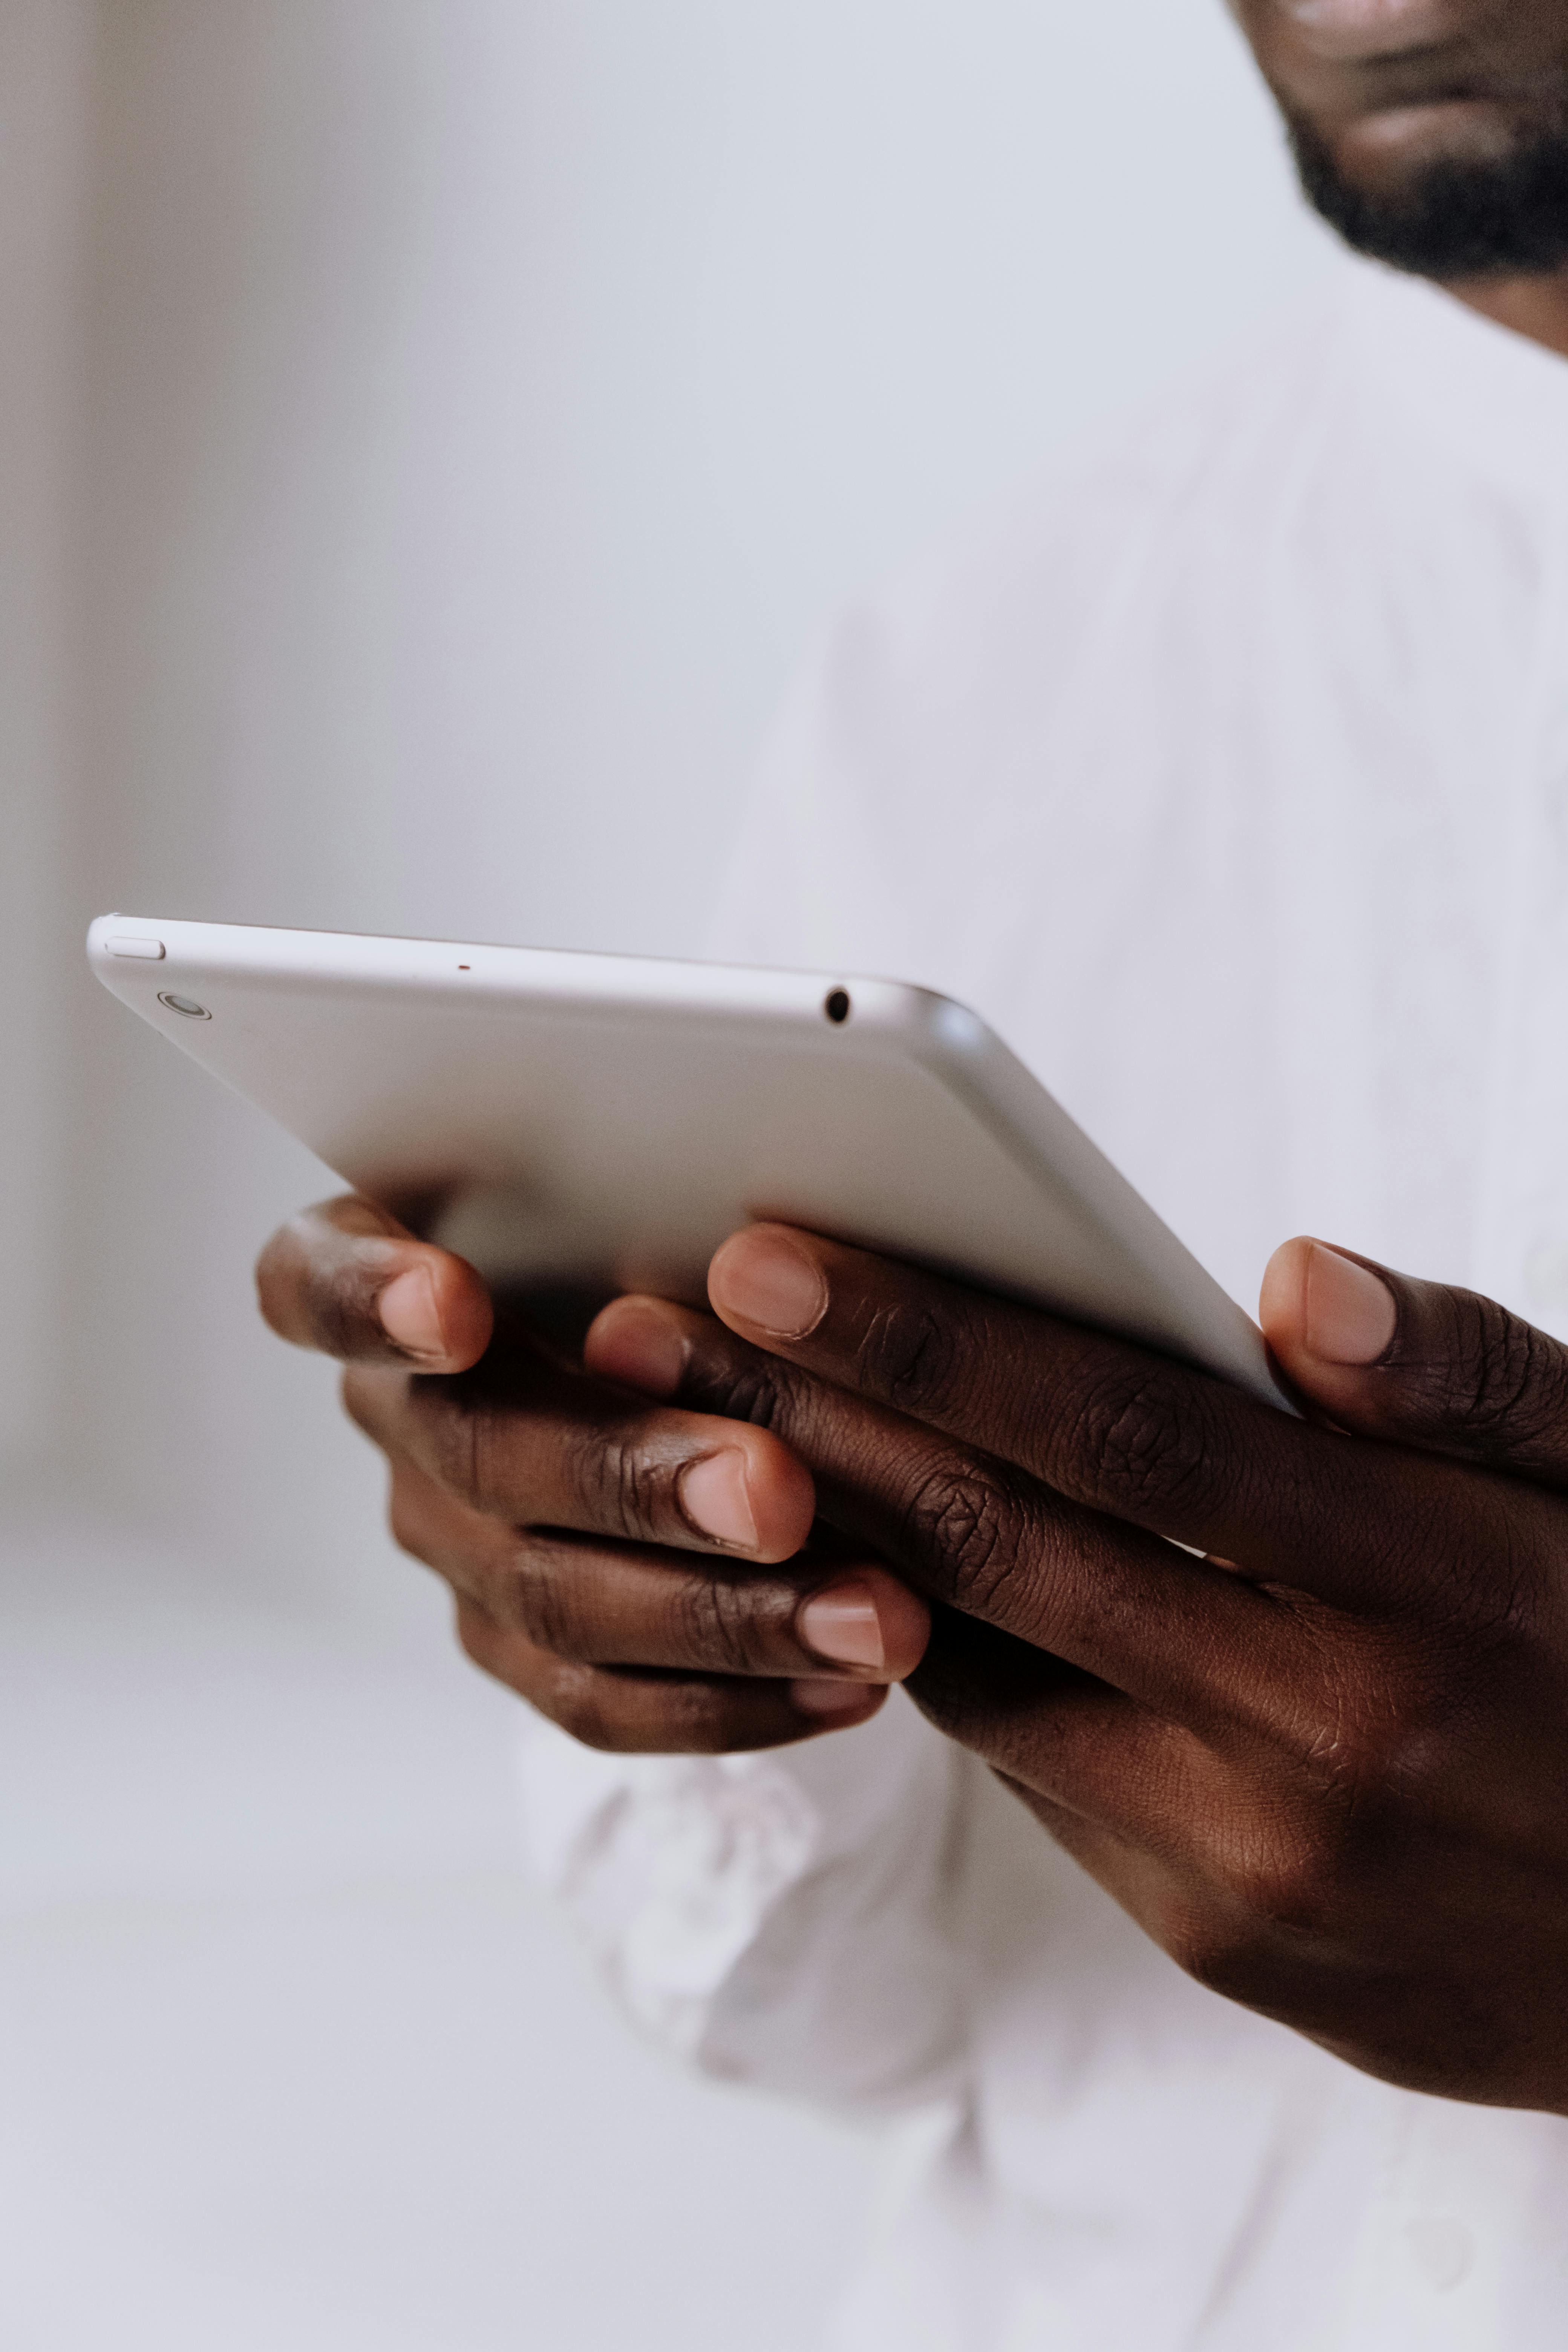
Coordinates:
column 318, row 1293
column 627, row 1495
column 908, row 1356
column 722, row 1627
column 460, row 1439
column 1498, row 1378
column 1396, row 1755
column 754, row 1389
column 337, row 1306
column 1293, row 1886
column 1145, row 1439
column 1340, row 1761
column 537, row 1593
column 960, row 1522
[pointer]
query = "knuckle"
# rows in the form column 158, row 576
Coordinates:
column 1500, row 1377
column 721, row 1625
column 700, row 1718
column 1216, row 1949
column 1279, row 1890
column 628, row 1492
column 577, row 1702
column 538, row 1597
column 908, row 1355
column 753, row 1388
column 1363, row 1749
column 1385, row 1742
column 1358, row 1759
column 1145, row 1436
column 706, row 1720
column 1204, row 1942
column 961, row 1519
column 1288, row 1882
column 461, row 1441
column 336, row 1310
column 316, row 1277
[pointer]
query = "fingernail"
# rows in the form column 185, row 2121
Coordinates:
column 842, row 1624
column 769, row 1282
column 641, row 1348
column 1351, row 1314
column 409, row 1314
column 824, row 1698
column 714, row 1496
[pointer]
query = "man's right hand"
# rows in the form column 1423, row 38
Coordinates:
column 647, row 1578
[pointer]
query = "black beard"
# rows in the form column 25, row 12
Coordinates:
column 1506, row 217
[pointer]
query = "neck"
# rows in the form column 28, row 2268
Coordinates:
column 1536, row 306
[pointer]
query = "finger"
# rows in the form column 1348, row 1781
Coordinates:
column 531, row 1443
column 1115, row 1428
column 346, row 1278
column 1417, row 1362
column 1036, row 1716
column 1153, row 1811
column 631, row 1605
column 1100, row 1772
column 1182, row 1637
column 654, row 1715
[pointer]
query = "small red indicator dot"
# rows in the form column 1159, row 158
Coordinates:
column 465, row 967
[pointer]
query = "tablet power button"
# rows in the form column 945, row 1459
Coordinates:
column 148, row 950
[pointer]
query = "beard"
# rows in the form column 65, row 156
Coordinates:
column 1454, row 218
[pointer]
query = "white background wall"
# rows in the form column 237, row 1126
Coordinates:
column 429, row 431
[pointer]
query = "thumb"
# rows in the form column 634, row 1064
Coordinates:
column 347, row 1278
column 1417, row 1362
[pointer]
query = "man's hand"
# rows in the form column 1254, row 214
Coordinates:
column 647, row 1577
column 1325, row 1765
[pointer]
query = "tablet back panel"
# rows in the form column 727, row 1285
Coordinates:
column 613, row 1118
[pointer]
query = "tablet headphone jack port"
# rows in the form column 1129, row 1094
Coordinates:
column 836, row 1004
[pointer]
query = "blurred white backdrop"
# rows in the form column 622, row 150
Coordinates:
column 429, row 431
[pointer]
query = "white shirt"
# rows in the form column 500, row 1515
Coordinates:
column 1229, row 781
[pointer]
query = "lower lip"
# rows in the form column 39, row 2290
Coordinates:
column 1364, row 28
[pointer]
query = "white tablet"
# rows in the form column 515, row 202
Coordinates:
column 611, row 1119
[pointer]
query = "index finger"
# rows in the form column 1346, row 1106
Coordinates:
column 346, row 1278
column 1105, row 1424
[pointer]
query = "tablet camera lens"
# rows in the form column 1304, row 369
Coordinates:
column 186, row 1004
column 836, row 1005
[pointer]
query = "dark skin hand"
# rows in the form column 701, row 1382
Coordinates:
column 649, row 1578
column 1392, row 85
column 1325, row 1766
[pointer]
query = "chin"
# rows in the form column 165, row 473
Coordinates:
column 1463, row 190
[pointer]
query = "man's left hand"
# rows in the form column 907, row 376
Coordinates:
column 1326, row 1764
